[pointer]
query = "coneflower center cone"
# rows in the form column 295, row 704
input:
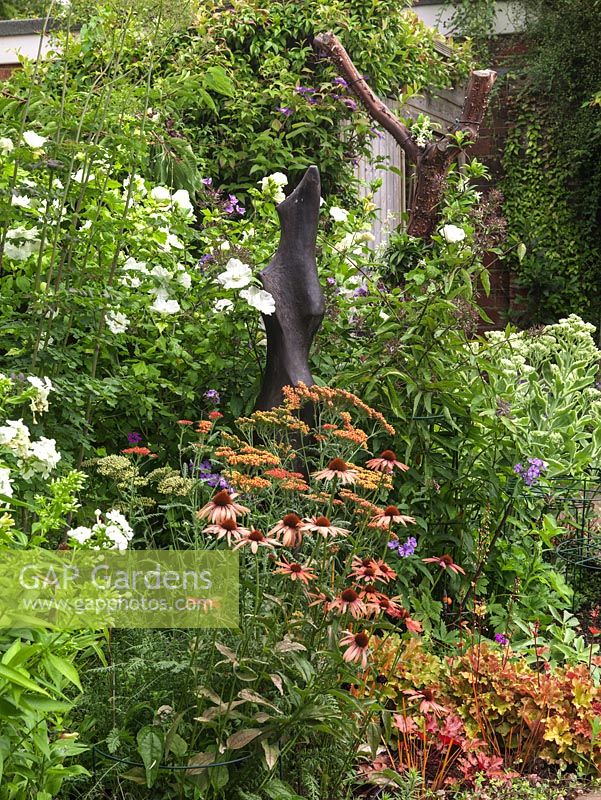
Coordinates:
column 222, row 498
column 349, row 595
column 338, row 465
column 291, row 520
column 322, row 522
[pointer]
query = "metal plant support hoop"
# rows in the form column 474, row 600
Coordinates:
column 96, row 751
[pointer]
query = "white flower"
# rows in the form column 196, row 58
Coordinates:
column 20, row 252
column 163, row 305
column 6, row 144
column 272, row 185
column 452, row 234
column 34, row 140
column 338, row 214
column 138, row 182
column 116, row 322
column 80, row 176
column 259, row 299
column 81, row 534
column 161, row 195
column 171, row 242
column 15, row 435
column 44, row 450
column 162, row 274
column 236, row 275
column 5, row 482
column 117, row 537
column 223, row 306
column 21, row 201
column 181, row 199
column 138, row 266
column 39, row 402
column 184, row 279
column 224, row 246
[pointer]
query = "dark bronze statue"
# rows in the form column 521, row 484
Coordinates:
column 291, row 278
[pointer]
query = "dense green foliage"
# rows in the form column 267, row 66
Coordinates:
column 552, row 161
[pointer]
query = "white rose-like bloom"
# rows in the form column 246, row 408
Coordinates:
column 138, row 182
column 163, row 305
column 225, row 246
column 43, row 387
column 81, row 534
column 171, row 243
column 338, row 214
column 237, row 275
column 161, row 195
column 223, row 306
column 34, row 140
column 272, row 185
column 162, row 274
column 138, row 266
column 15, row 435
column 116, row 322
column 44, row 450
column 6, row 145
column 259, row 299
column 452, row 234
column 5, row 482
column 181, row 199
column 184, row 279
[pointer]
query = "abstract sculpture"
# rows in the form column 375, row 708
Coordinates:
column 291, row 278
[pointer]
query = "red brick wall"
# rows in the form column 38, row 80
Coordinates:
column 6, row 70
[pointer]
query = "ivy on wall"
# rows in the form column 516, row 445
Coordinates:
column 560, row 270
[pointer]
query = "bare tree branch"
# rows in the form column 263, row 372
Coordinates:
column 330, row 45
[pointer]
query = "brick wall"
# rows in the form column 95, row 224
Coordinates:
column 505, row 301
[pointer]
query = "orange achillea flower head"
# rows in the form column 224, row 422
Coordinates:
column 337, row 468
column 364, row 506
column 386, row 462
column 222, row 507
column 372, row 481
column 137, row 451
column 290, row 528
column 296, row 572
column 291, row 481
column 385, row 518
column 296, row 396
column 213, row 415
column 248, row 456
column 185, row 422
column 204, row 427
column 246, row 483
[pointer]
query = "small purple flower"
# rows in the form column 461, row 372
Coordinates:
column 213, row 396
column 207, row 181
column 518, row 469
column 304, row 90
column 241, row 210
column 284, row 110
column 531, row 475
column 407, row 548
column 376, row 132
column 134, row 438
column 350, row 103
column 204, row 259
column 393, row 544
column 361, row 291
column 500, row 638
column 340, row 82
column 331, row 281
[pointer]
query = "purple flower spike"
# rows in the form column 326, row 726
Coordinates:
column 134, row 438
column 350, row 103
column 500, row 638
column 340, row 82
column 284, row 110
column 361, row 291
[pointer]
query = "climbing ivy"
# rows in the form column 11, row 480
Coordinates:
column 553, row 159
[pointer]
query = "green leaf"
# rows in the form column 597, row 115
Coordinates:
column 65, row 668
column 150, row 748
column 521, row 251
column 242, row 738
column 278, row 790
column 217, row 80
column 12, row 676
